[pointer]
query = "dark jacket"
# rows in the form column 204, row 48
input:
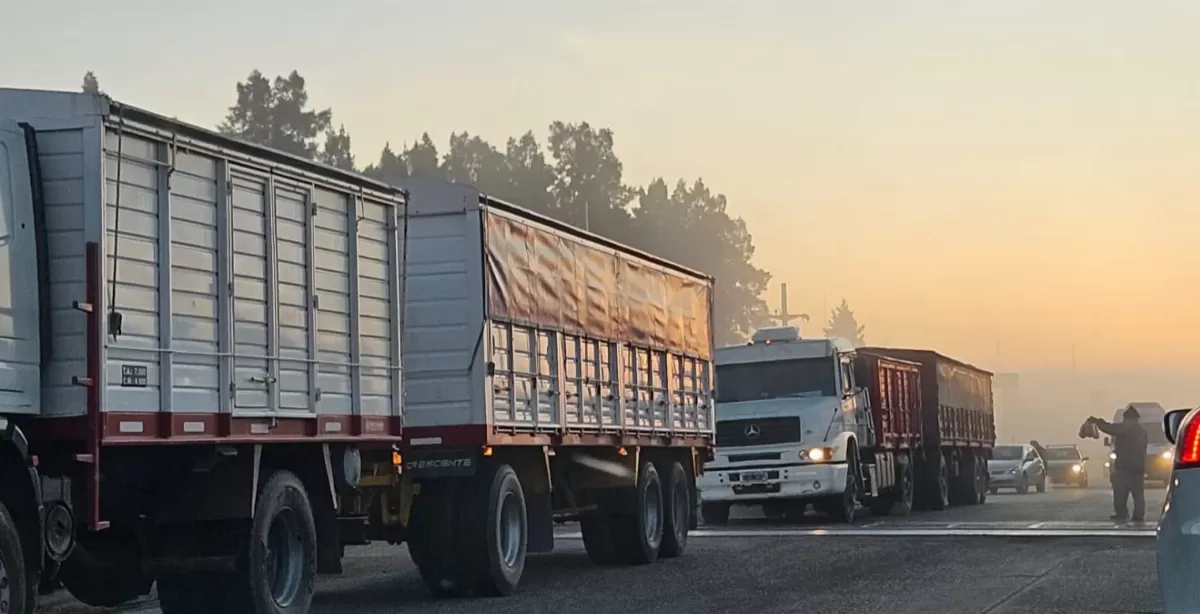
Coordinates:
column 1128, row 443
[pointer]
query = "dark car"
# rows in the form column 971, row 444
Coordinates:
column 1066, row 465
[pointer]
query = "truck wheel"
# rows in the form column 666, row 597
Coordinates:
column 715, row 513
column 638, row 537
column 276, row 561
column 497, row 535
column 841, row 507
column 677, row 502
column 981, row 480
column 105, row 569
column 940, row 496
column 900, row 500
column 598, row 538
column 14, row 584
column 430, row 537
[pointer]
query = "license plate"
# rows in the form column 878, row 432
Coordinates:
column 754, row 476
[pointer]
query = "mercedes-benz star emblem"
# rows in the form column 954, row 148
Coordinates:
column 752, row 432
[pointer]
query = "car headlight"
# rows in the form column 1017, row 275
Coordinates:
column 1168, row 455
column 1013, row 470
column 1076, row 468
column 1112, row 455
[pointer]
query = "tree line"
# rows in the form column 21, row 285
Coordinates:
column 575, row 176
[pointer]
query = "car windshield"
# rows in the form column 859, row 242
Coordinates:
column 775, row 379
column 1063, row 454
column 1007, row 453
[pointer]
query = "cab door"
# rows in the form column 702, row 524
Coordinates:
column 20, row 358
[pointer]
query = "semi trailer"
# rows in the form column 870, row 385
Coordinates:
column 200, row 354
column 958, row 428
column 551, row 375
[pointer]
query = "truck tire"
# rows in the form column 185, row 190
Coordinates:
column 841, row 507
column 981, row 480
column 430, row 538
column 105, row 570
column 939, row 494
column 276, row 561
column 715, row 513
column 677, row 503
column 638, row 537
column 598, row 538
column 15, row 596
column 496, row 535
column 899, row 502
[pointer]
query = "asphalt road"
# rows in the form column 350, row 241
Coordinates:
column 1055, row 505
column 777, row 567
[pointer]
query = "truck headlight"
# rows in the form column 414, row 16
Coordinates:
column 1076, row 468
column 1168, row 455
column 816, row 455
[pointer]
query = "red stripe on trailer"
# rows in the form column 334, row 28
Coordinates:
column 479, row 434
column 168, row 428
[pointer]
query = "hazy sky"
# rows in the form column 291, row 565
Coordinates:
column 967, row 174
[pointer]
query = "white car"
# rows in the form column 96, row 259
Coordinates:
column 1178, row 538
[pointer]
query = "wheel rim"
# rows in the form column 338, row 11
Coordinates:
column 652, row 520
column 511, row 530
column 680, row 508
column 285, row 557
column 5, row 588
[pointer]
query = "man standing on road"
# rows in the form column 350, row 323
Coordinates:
column 1129, row 469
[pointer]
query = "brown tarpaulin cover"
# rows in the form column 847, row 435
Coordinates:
column 537, row 277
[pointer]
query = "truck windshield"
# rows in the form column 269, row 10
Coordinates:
column 1007, row 453
column 775, row 379
column 1062, row 454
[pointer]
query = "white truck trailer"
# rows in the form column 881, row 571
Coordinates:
column 550, row 374
column 199, row 361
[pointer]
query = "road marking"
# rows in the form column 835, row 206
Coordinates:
column 900, row 532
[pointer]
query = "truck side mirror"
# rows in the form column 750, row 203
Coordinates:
column 1172, row 422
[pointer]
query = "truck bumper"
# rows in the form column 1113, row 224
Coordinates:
column 728, row 485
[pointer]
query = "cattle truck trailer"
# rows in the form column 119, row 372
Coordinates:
column 550, row 374
column 199, row 360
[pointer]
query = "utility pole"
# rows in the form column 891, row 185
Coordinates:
column 784, row 316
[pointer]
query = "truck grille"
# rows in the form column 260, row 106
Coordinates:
column 757, row 432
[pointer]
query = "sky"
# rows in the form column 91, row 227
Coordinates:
column 1011, row 183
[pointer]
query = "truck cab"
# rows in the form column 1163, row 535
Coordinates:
column 790, row 421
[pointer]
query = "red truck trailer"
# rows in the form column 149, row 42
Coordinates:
column 894, row 396
column 957, row 427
